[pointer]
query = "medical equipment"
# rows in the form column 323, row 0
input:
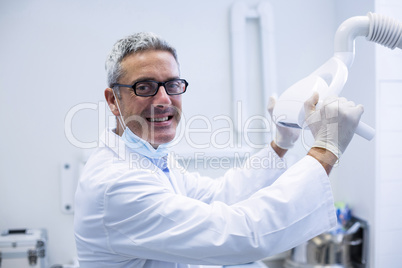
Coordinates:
column 330, row 78
column 333, row 250
column 23, row 248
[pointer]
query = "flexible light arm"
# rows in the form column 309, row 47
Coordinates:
column 377, row 28
column 345, row 38
column 330, row 78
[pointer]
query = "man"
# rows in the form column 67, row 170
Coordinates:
column 136, row 208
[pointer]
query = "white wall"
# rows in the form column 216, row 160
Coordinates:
column 368, row 176
column 354, row 183
column 388, row 183
column 52, row 58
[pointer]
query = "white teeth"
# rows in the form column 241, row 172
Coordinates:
column 159, row 119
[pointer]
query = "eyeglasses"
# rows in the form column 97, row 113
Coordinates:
column 149, row 88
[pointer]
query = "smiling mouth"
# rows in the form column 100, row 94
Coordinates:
column 160, row 119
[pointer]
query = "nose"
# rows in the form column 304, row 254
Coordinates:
column 161, row 97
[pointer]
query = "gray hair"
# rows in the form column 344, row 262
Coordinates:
column 131, row 44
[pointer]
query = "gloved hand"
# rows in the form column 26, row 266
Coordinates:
column 285, row 137
column 334, row 124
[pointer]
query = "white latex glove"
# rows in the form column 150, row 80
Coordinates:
column 334, row 124
column 285, row 137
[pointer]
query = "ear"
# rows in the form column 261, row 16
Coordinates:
column 111, row 101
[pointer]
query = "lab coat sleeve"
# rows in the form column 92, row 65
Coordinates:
column 144, row 219
column 247, row 177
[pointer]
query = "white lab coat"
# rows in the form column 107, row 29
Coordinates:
column 128, row 213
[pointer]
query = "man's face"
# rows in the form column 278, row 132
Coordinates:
column 154, row 118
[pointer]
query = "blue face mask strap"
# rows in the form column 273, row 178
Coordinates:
column 120, row 118
column 130, row 139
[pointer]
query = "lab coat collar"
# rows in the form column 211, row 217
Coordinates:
column 110, row 139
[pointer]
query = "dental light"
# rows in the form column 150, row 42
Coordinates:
column 330, row 78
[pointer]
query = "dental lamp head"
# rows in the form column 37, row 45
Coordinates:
column 330, row 78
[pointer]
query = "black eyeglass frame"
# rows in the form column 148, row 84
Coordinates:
column 157, row 89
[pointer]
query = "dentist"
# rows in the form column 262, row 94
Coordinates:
column 136, row 207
